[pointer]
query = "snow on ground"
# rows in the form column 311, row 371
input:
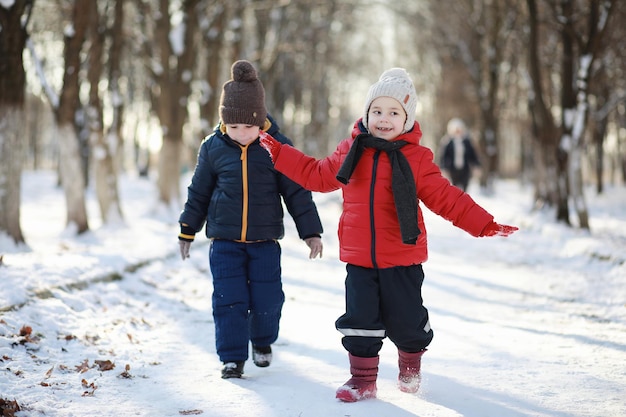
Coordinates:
column 113, row 323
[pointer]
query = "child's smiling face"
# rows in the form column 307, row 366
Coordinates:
column 386, row 118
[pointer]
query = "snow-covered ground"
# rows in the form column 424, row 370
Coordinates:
column 113, row 323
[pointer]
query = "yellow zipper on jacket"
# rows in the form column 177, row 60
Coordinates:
column 244, row 182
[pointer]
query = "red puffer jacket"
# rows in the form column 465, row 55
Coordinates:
column 369, row 232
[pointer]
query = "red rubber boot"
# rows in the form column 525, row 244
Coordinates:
column 409, row 377
column 362, row 385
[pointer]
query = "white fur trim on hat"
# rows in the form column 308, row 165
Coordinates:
column 397, row 84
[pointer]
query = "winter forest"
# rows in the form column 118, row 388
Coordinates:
column 94, row 89
column 95, row 92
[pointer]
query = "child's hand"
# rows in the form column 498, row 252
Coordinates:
column 315, row 244
column 271, row 145
column 495, row 229
column 184, row 248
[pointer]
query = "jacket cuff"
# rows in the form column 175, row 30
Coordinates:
column 187, row 233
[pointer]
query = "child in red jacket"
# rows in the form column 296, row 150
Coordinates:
column 383, row 173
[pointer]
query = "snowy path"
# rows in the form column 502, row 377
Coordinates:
column 498, row 351
column 516, row 334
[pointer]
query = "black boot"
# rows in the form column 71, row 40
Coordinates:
column 262, row 356
column 232, row 370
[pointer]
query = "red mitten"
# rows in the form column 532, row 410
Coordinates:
column 271, row 145
column 495, row 229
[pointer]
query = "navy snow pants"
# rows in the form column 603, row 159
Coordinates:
column 247, row 296
column 384, row 303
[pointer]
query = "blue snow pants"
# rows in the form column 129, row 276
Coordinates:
column 247, row 296
column 384, row 303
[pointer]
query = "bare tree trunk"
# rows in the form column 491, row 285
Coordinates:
column 115, row 138
column 599, row 133
column 621, row 148
column 576, row 185
column 588, row 36
column 163, row 103
column 276, row 70
column 319, row 84
column 72, row 179
column 600, row 125
column 489, row 147
column 103, row 147
column 212, row 35
column 543, row 127
column 169, row 169
column 568, row 103
column 235, row 22
column 171, row 102
column 71, row 169
column 11, row 159
column 13, row 35
column 499, row 20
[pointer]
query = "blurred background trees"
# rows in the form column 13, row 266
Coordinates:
column 132, row 86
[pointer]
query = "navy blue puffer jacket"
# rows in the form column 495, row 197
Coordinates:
column 237, row 192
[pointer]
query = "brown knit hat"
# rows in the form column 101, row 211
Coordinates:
column 243, row 97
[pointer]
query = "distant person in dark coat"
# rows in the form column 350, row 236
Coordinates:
column 459, row 157
column 237, row 192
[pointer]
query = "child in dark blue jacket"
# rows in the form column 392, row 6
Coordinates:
column 237, row 192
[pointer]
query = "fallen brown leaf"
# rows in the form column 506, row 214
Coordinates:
column 83, row 367
column 105, row 365
column 26, row 330
column 126, row 374
column 8, row 408
column 89, row 386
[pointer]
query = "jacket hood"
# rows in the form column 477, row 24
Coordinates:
column 412, row 136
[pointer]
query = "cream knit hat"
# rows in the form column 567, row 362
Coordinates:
column 397, row 84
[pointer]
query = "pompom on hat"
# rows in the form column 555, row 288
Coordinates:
column 397, row 84
column 243, row 97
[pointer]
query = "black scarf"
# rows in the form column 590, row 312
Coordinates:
column 402, row 181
